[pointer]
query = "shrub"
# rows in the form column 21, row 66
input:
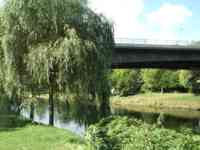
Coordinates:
column 121, row 133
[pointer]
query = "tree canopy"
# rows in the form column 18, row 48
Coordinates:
column 126, row 81
column 60, row 43
column 60, row 35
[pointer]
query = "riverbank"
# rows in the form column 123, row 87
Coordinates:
column 159, row 101
column 39, row 137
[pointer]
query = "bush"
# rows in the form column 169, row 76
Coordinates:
column 126, row 82
column 121, row 133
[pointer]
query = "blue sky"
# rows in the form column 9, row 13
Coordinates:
column 151, row 19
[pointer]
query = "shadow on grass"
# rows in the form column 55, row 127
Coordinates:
column 11, row 123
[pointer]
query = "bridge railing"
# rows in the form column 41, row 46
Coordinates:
column 152, row 41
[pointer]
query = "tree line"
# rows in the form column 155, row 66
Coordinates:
column 132, row 81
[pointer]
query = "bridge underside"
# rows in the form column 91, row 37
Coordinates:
column 161, row 65
column 156, row 57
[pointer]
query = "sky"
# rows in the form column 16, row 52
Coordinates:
column 151, row 19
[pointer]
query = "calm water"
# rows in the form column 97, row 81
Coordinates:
column 77, row 117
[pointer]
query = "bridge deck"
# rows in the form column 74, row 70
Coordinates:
column 156, row 56
column 155, row 46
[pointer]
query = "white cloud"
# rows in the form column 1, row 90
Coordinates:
column 162, row 23
column 124, row 13
column 168, row 19
column 169, row 15
column 130, row 20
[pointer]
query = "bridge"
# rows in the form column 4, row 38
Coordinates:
column 167, row 54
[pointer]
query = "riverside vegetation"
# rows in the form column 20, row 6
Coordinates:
column 112, row 133
column 61, row 47
column 122, row 133
column 53, row 46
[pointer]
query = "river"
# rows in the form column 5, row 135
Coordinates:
column 76, row 117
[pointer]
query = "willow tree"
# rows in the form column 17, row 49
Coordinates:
column 60, row 43
column 1, row 53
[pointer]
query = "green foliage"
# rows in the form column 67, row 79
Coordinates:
column 2, row 73
column 151, row 78
column 195, row 81
column 5, row 104
column 121, row 133
column 126, row 81
column 158, row 80
column 169, row 79
column 1, row 25
column 185, row 79
column 60, row 43
column 190, row 80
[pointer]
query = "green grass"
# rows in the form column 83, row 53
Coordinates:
column 157, row 100
column 38, row 137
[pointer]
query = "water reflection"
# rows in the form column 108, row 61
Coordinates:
column 78, row 116
column 74, row 116
column 180, row 113
column 174, row 119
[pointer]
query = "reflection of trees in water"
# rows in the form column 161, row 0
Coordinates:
column 162, row 119
column 150, row 117
column 41, row 107
column 80, row 113
column 65, row 112
column 9, row 116
column 146, row 117
column 5, row 106
column 8, row 105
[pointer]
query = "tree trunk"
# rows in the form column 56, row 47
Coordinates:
column 105, row 107
column 32, row 107
column 51, row 106
column 162, row 90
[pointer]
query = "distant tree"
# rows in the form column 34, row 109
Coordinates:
column 195, row 74
column 151, row 78
column 126, row 81
column 159, row 80
column 195, row 81
column 60, row 43
column 169, row 80
column 185, row 77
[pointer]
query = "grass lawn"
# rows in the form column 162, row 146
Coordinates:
column 38, row 137
column 157, row 100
